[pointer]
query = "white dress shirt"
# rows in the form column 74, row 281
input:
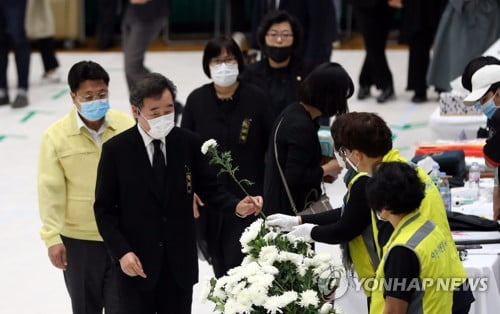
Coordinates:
column 96, row 136
column 150, row 148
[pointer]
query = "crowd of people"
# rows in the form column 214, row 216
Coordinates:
column 128, row 202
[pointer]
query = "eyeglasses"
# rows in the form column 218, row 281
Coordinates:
column 284, row 36
column 228, row 59
column 90, row 97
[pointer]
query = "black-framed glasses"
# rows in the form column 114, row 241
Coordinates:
column 221, row 60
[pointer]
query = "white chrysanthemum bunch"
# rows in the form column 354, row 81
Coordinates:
column 279, row 274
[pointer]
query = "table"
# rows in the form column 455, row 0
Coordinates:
column 485, row 263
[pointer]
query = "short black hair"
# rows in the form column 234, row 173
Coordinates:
column 363, row 131
column 327, row 88
column 395, row 186
column 85, row 71
column 152, row 85
column 214, row 48
column 275, row 17
column 474, row 65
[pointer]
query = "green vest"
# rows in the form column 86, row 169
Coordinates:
column 435, row 253
column 362, row 249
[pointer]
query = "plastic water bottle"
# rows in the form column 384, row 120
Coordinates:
column 474, row 177
column 444, row 189
column 435, row 174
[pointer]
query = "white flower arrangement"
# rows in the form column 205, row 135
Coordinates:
column 279, row 274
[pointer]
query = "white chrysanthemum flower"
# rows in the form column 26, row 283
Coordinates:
column 209, row 143
column 273, row 305
column 247, row 260
column 251, row 232
column 268, row 255
column 263, row 281
column 288, row 297
column 270, row 236
column 297, row 259
column 302, row 269
column 269, row 269
column 309, row 297
column 257, row 294
column 205, row 291
column 326, row 308
column 232, row 306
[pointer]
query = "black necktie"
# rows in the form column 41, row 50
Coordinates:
column 159, row 163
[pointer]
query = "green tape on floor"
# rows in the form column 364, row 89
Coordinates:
column 28, row 116
column 60, row 93
column 4, row 136
column 32, row 113
column 410, row 126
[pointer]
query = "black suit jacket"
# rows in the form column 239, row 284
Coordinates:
column 134, row 215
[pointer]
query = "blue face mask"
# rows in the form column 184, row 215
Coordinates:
column 488, row 108
column 94, row 110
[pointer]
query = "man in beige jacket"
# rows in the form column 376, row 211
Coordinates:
column 69, row 154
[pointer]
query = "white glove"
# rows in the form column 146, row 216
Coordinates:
column 285, row 222
column 303, row 231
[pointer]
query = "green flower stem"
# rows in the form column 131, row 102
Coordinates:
column 225, row 162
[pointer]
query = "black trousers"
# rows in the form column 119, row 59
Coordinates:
column 167, row 297
column 106, row 23
column 420, row 45
column 374, row 23
column 46, row 47
column 12, row 34
column 223, row 235
column 91, row 277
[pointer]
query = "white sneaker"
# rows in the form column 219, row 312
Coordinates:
column 53, row 77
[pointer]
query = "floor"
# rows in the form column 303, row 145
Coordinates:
column 29, row 284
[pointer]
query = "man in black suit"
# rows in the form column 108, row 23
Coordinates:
column 144, row 196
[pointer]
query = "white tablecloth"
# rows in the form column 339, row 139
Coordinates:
column 485, row 263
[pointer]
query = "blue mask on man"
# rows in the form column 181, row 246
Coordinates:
column 94, row 110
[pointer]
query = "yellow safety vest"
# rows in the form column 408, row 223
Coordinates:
column 362, row 249
column 436, row 280
column 432, row 208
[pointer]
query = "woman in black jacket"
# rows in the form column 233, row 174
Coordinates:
column 295, row 134
column 281, row 70
column 236, row 114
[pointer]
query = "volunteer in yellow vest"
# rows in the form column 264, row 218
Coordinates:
column 69, row 154
column 351, row 224
column 416, row 272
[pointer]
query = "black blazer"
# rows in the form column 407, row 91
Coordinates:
column 280, row 85
column 299, row 153
column 241, row 126
column 133, row 215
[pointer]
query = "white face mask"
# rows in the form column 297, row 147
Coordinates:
column 355, row 168
column 340, row 160
column 379, row 217
column 161, row 126
column 224, row 74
